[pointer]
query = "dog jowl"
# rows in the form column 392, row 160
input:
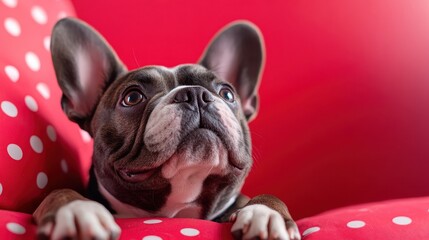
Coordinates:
column 168, row 142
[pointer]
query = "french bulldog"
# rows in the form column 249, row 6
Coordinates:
column 168, row 142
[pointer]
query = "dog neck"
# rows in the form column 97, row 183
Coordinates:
column 171, row 210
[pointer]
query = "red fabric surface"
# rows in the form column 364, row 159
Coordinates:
column 394, row 219
column 40, row 149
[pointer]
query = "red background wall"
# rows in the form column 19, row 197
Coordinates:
column 344, row 112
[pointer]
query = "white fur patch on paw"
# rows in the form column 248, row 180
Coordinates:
column 259, row 221
column 85, row 220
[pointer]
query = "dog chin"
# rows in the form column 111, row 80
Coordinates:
column 201, row 150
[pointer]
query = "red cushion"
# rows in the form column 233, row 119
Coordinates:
column 395, row 219
column 40, row 149
column 14, row 225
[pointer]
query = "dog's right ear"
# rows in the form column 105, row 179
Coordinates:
column 236, row 55
column 85, row 65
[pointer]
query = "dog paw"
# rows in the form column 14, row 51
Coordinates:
column 261, row 222
column 80, row 219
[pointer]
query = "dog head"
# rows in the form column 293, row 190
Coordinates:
column 167, row 141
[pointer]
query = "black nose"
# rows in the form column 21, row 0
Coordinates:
column 195, row 96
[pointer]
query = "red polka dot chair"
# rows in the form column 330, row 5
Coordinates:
column 342, row 135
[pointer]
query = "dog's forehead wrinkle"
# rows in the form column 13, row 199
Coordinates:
column 156, row 75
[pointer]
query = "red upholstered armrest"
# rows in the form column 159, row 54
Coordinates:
column 40, row 149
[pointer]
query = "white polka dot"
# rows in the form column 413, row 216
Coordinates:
column 36, row 144
column 52, row 134
column 14, row 151
column 402, row 220
column 310, row 231
column 42, row 180
column 43, row 89
column 12, row 27
column 152, row 237
column 152, row 221
column 64, row 166
column 190, row 232
column 356, row 224
column 15, row 228
column 47, row 43
column 32, row 61
column 39, row 15
column 31, row 103
column 1, row 189
column 85, row 136
column 12, row 73
column 10, row 3
column 9, row 109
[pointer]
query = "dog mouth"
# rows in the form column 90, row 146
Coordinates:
column 138, row 175
column 187, row 149
column 144, row 175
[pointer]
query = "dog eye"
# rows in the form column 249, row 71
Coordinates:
column 133, row 97
column 227, row 94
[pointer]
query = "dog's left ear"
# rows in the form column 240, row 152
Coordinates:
column 236, row 54
column 85, row 65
